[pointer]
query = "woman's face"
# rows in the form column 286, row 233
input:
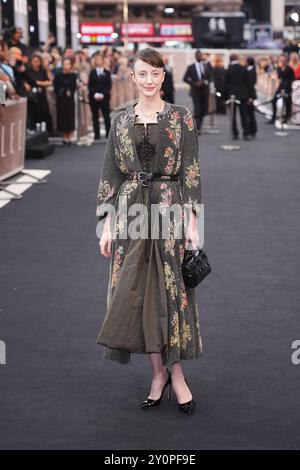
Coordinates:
column 148, row 79
column 98, row 61
column 36, row 63
column 67, row 66
column 79, row 58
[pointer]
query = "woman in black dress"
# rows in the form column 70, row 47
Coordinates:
column 38, row 108
column 65, row 87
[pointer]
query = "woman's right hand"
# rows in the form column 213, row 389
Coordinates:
column 105, row 243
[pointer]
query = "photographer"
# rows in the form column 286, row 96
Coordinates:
column 14, row 35
column 286, row 77
column 65, row 87
column 23, row 82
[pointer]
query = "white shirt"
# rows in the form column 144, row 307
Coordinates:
column 200, row 69
column 99, row 71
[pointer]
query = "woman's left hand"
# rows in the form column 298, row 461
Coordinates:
column 191, row 235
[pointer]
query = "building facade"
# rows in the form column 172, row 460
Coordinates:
column 153, row 18
column 41, row 18
column 164, row 22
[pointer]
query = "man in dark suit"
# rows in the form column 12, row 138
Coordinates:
column 237, row 83
column 167, row 88
column 251, row 109
column 99, row 94
column 286, row 77
column 198, row 75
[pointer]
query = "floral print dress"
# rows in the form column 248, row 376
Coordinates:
column 149, row 309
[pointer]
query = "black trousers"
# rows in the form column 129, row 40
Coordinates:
column 287, row 103
column 221, row 106
column 200, row 102
column 244, row 119
column 95, row 107
column 252, row 120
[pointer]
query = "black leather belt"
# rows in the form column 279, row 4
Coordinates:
column 144, row 176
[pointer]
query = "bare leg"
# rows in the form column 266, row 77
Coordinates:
column 179, row 385
column 67, row 136
column 160, row 375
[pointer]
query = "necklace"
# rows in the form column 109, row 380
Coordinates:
column 153, row 112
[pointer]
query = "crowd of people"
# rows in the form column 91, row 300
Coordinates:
column 240, row 80
column 207, row 76
column 284, row 69
column 31, row 73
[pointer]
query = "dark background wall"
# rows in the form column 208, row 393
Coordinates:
column 7, row 14
column 258, row 9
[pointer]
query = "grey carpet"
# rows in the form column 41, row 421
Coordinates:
column 56, row 391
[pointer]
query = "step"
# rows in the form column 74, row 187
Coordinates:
column 36, row 138
column 40, row 151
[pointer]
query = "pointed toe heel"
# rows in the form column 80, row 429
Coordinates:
column 150, row 403
column 189, row 406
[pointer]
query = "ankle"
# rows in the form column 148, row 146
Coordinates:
column 178, row 379
column 161, row 374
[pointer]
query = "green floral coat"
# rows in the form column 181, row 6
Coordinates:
column 173, row 305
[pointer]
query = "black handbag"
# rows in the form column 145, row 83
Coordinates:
column 195, row 267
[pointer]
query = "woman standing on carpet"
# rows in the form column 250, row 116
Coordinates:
column 38, row 108
column 65, row 86
column 151, row 158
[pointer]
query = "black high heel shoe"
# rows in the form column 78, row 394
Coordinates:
column 189, row 406
column 149, row 402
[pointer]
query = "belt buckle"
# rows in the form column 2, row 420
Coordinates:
column 140, row 173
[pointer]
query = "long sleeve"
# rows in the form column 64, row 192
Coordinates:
column 73, row 83
column 227, row 83
column 190, row 167
column 91, row 83
column 57, row 83
column 111, row 176
column 209, row 72
column 187, row 78
column 28, row 79
column 107, row 84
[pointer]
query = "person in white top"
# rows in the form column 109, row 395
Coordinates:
column 100, row 84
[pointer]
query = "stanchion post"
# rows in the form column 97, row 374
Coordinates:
column 78, row 112
column 282, row 133
column 212, row 128
column 231, row 103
